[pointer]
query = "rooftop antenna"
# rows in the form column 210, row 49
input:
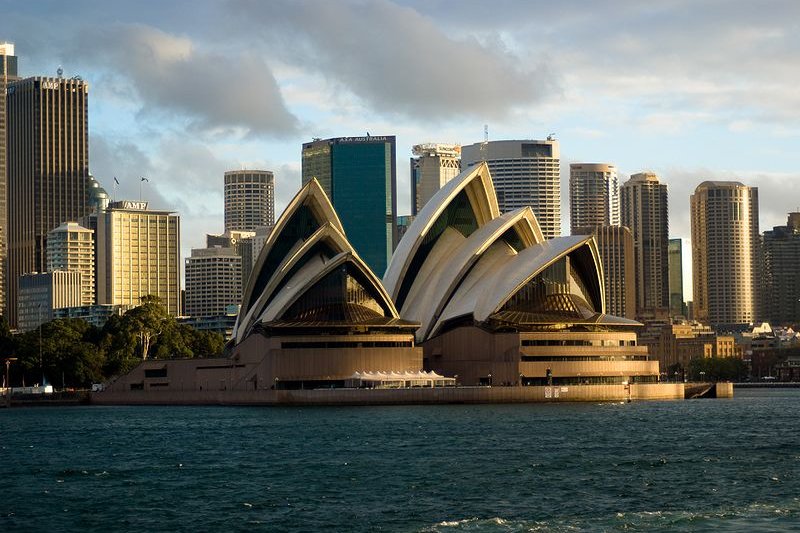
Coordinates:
column 551, row 137
column 485, row 143
column 60, row 72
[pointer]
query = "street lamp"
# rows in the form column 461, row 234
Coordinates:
column 702, row 376
column 9, row 360
column 490, row 379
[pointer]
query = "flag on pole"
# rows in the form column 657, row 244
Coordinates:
column 116, row 180
column 145, row 179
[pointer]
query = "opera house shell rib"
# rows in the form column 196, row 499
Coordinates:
column 499, row 305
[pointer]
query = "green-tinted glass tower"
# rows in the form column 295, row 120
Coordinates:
column 359, row 176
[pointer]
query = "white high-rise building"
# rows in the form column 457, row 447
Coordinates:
column 249, row 199
column 524, row 173
column 70, row 247
column 593, row 195
column 213, row 281
column 434, row 165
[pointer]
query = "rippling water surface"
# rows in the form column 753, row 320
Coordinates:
column 723, row 465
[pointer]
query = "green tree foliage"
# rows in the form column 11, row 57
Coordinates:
column 83, row 354
column 717, row 369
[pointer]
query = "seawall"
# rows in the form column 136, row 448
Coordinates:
column 422, row 396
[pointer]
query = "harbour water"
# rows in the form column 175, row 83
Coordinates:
column 722, row 465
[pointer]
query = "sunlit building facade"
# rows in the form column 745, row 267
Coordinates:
column 593, row 195
column 138, row 256
column 432, row 166
column 725, row 243
column 525, row 173
column 71, row 247
column 249, row 199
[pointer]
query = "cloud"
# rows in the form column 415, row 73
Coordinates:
column 173, row 76
column 396, row 60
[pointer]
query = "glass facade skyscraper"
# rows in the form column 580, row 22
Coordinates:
column 359, row 176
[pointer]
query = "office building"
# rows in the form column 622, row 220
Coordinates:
column 241, row 242
column 138, row 255
column 676, row 306
column 8, row 73
column 782, row 273
column 434, row 165
column 213, row 281
column 403, row 223
column 71, row 247
column 644, row 211
column 42, row 293
column 615, row 244
column 593, row 195
column 525, row 173
column 359, row 176
column 725, row 241
column 48, row 168
column 249, row 199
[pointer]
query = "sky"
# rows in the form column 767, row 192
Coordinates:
column 181, row 91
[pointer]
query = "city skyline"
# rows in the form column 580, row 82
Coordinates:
column 163, row 104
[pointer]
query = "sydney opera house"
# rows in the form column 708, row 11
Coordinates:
column 471, row 297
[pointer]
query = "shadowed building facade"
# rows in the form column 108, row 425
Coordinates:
column 644, row 211
column 676, row 305
column 615, row 244
column 782, row 272
column 725, row 242
column 48, row 168
column 8, row 73
column 359, row 176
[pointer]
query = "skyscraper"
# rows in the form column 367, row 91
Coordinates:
column 249, row 199
column 359, row 175
column 434, row 165
column 524, row 172
column 70, row 247
column 593, row 195
column 138, row 255
column 644, row 211
column 724, row 216
column 676, row 305
column 781, row 263
column 213, row 281
column 8, row 73
column 615, row 244
column 48, row 168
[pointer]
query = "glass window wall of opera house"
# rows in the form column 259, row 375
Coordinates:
column 470, row 296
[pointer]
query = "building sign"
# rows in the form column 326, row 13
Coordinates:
column 49, row 84
column 129, row 204
column 343, row 140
